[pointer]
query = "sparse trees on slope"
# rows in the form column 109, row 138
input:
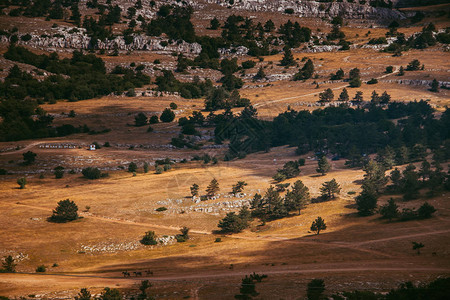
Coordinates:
column 149, row 238
column 288, row 58
column 366, row 203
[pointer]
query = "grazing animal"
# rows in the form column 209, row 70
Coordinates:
column 126, row 274
column 149, row 272
column 137, row 274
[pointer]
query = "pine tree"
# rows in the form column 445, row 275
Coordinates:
column 344, row 96
column 316, row 287
column 326, row 96
column 390, row 210
column 298, row 197
column 401, row 72
column 385, row 98
column 375, row 99
column 305, row 72
column 323, row 166
column 194, row 190
column 329, row 189
column 375, row 178
column 238, row 187
column 435, row 86
column 288, row 58
column 366, row 203
column 8, row 264
column 358, row 97
column 84, row 294
column 212, row 188
column 318, row 225
column 260, row 74
column 65, row 211
column 354, row 78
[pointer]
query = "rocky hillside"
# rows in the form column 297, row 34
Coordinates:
column 313, row 9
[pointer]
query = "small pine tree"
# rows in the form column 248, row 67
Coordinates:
column 343, row 96
column 238, row 187
column 435, row 86
column 366, row 203
column 260, row 74
column 326, row 96
column 132, row 167
column 212, row 188
column 318, row 225
column 390, row 210
column 140, row 119
column 84, row 294
column 29, row 157
column 323, row 166
column 59, row 172
column 329, row 189
column 146, row 167
column 417, row 246
column 315, row 289
column 8, row 264
column 401, row 72
column 149, row 238
column 22, row 182
column 65, row 211
column 194, row 190
column 214, row 24
column 288, row 58
column 167, row 115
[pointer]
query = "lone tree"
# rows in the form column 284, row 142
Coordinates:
column 194, row 190
column 417, row 246
column 315, row 289
column 329, row 189
column 426, row 210
column 318, row 225
column 323, row 166
column 149, row 238
column 212, row 188
column 65, row 211
column 167, row 115
column 84, row 294
column 29, row 157
column 238, row 187
column 8, row 264
column 22, row 182
column 389, row 210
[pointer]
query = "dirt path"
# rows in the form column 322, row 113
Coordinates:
column 292, row 269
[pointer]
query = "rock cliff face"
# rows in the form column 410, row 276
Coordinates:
column 315, row 9
column 79, row 40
